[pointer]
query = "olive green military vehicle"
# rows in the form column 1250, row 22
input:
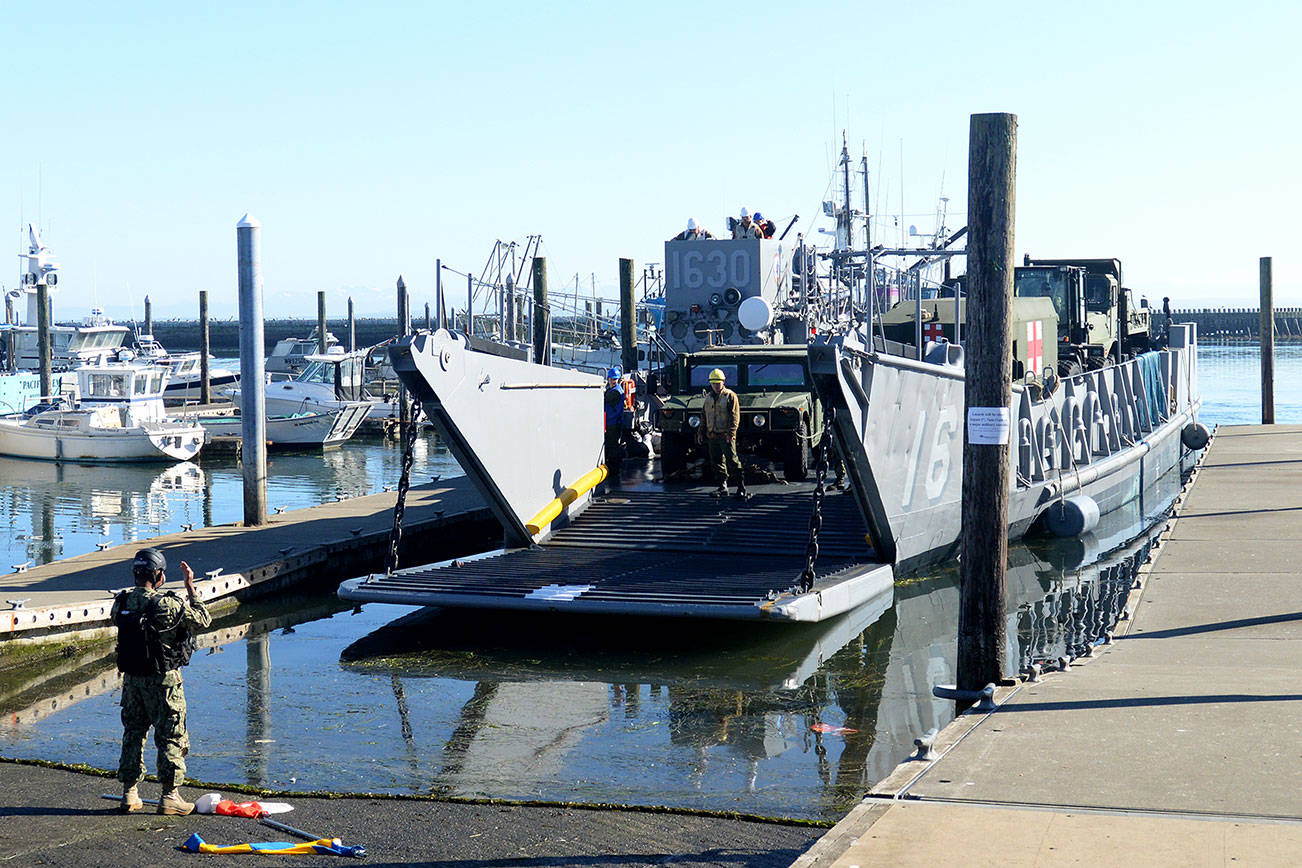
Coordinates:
column 1098, row 322
column 1033, row 328
column 781, row 417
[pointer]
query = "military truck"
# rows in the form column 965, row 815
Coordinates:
column 1098, row 322
column 781, row 418
column 1033, row 327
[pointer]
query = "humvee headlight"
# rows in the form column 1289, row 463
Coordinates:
column 694, row 421
column 758, row 421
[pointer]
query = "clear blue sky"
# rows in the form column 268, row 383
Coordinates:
column 370, row 138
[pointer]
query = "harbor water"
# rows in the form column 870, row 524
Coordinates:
column 780, row 720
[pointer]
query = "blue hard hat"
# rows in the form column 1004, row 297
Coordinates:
column 614, row 374
column 758, row 216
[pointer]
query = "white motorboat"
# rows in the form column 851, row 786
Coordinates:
column 322, row 429
column 118, row 416
column 329, row 382
column 291, row 355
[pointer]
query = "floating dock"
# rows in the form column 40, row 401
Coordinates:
column 71, row 598
column 1181, row 742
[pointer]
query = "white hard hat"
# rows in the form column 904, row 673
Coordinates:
column 691, row 224
column 744, row 213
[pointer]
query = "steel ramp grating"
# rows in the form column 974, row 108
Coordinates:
column 613, row 576
column 692, row 520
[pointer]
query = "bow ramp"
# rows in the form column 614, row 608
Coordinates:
column 530, row 438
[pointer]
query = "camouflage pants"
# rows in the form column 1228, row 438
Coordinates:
column 723, row 458
column 157, row 701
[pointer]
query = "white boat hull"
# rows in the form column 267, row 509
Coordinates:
column 320, row 430
column 20, row 439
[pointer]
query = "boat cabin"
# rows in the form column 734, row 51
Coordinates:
column 138, row 389
column 342, row 372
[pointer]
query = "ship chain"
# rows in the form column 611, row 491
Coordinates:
column 816, row 517
column 404, row 483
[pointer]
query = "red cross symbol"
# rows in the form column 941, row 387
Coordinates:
column 933, row 331
column 1034, row 346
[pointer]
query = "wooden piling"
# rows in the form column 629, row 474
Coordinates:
column 205, row 345
column 352, row 327
column 1267, row 344
column 321, row 343
column 43, row 338
column 542, row 350
column 404, row 329
column 627, row 316
column 428, row 321
column 149, row 317
column 438, row 292
column 253, row 405
column 992, row 171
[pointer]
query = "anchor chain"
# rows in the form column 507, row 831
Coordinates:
column 404, row 483
column 808, row 577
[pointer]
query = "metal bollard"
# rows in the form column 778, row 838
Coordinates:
column 926, row 746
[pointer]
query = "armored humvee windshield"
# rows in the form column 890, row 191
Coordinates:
column 752, row 377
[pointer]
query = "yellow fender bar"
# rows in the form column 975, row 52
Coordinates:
column 548, row 514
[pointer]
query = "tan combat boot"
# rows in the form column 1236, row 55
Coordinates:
column 131, row 800
column 172, row 804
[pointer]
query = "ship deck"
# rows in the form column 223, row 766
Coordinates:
column 646, row 548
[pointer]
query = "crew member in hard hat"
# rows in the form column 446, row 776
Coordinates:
column 692, row 232
column 745, row 227
column 766, row 227
column 615, row 422
column 722, row 419
column 156, row 636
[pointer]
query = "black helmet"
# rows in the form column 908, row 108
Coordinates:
column 150, row 559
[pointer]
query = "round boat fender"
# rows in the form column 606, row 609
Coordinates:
column 1072, row 516
column 1194, row 436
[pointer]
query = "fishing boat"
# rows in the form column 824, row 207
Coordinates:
column 330, row 382
column 118, row 416
column 320, row 429
column 292, row 355
column 185, row 370
column 93, row 340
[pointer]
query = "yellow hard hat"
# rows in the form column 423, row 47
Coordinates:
column 716, row 376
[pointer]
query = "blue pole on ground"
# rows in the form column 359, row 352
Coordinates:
column 253, row 392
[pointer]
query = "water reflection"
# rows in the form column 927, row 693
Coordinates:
column 63, row 510
column 788, row 720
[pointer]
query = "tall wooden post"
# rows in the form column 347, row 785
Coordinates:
column 205, row 374
column 253, row 405
column 542, row 348
column 404, row 329
column 470, row 305
column 428, row 321
column 438, row 293
column 352, row 327
column 627, row 316
column 992, row 170
column 1267, row 345
column 43, row 351
column 321, row 343
column 149, row 317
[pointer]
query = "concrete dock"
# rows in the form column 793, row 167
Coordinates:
column 1180, row 744
column 72, row 598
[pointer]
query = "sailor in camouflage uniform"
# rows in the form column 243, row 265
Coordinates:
column 156, row 633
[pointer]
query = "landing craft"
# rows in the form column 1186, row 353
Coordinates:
column 1081, row 447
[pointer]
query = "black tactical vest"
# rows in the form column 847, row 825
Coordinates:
column 141, row 649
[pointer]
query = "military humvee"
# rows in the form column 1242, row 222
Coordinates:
column 781, row 417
